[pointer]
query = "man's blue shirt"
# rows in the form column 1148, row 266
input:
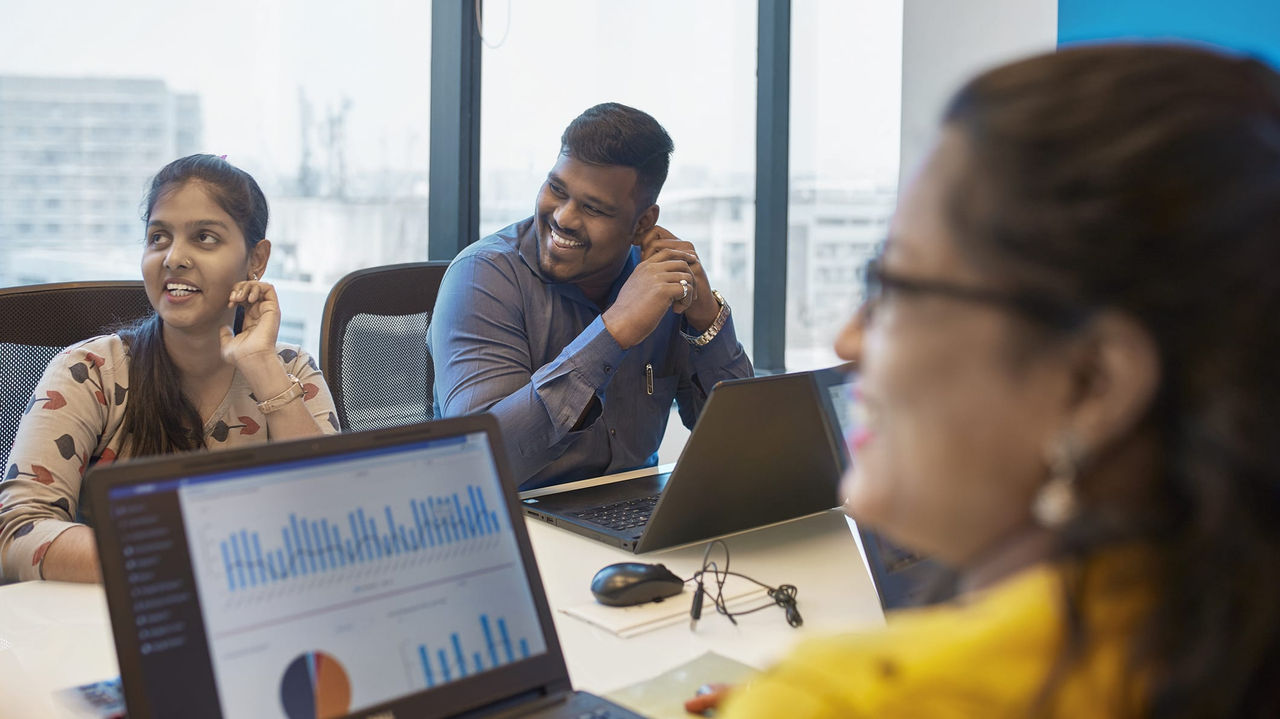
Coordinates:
column 506, row 339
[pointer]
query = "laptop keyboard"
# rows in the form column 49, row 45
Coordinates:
column 627, row 514
column 896, row 558
column 581, row 705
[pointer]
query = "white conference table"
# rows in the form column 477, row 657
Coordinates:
column 56, row 635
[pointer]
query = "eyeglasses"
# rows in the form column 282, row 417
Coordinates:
column 879, row 283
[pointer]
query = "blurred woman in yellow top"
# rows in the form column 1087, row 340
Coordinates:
column 1068, row 373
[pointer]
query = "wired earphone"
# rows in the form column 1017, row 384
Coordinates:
column 784, row 595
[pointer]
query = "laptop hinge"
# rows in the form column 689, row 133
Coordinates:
column 522, row 703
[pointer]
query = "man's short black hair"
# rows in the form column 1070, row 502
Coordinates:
column 613, row 134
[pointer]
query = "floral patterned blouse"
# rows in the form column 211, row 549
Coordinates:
column 73, row 421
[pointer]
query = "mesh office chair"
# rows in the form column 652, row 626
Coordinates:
column 373, row 344
column 41, row 320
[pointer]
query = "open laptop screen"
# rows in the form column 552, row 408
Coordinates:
column 318, row 587
column 902, row 578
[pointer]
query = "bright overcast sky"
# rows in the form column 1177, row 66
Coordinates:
column 689, row 63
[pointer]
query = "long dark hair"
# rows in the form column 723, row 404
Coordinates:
column 1146, row 179
column 159, row 418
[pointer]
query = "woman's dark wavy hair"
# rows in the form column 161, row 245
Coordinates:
column 159, row 419
column 1145, row 179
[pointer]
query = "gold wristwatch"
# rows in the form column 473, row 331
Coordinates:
column 716, row 325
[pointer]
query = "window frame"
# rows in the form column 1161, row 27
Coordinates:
column 454, row 204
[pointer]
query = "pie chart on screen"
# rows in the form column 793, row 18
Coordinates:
column 315, row 686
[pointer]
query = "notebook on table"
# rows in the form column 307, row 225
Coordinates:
column 377, row 574
column 761, row 452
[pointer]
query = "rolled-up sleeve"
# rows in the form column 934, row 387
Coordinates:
column 60, row 430
column 720, row 359
column 316, row 394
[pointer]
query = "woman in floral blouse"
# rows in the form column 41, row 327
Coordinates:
column 177, row 381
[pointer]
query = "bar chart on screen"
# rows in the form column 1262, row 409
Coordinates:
column 335, row 662
column 331, row 536
column 306, row 546
column 486, row 644
column 323, row 584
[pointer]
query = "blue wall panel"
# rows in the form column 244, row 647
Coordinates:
column 1252, row 26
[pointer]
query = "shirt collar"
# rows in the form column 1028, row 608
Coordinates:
column 527, row 246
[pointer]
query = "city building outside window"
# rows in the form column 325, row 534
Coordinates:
column 846, row 78
column 326, row 104
column 689, row 64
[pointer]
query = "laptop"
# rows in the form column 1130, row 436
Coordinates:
column 377, row 574
column 901, row 577
column 761, row 452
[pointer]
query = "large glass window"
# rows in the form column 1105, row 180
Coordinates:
column 324, row 103
column 846, row 78
column 689, row 64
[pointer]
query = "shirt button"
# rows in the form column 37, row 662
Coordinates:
column 613, row 433
column 608, row 368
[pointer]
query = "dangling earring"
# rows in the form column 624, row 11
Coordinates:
column 1056, row 504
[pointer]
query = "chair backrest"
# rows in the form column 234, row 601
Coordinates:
column 41, row 320
column 373, row 344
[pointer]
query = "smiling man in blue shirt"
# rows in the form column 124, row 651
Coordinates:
column 578, row 326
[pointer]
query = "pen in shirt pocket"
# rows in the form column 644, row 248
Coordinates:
column 648, row 378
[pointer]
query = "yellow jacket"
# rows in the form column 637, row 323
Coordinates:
column 987, row 655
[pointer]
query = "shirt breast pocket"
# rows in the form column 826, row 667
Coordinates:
column 664, row 392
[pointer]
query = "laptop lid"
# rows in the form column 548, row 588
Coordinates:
column 760, row 453
column 901, row 577
column 383, row 571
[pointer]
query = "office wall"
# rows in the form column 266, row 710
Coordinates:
column 944, row 42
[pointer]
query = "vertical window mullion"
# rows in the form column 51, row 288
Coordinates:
column 773, row 112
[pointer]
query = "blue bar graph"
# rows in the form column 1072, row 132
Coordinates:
column 426, row 666
column 506, row 640
column 451, row 660
column 307, row 546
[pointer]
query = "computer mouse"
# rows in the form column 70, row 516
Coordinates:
column 628, row 583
